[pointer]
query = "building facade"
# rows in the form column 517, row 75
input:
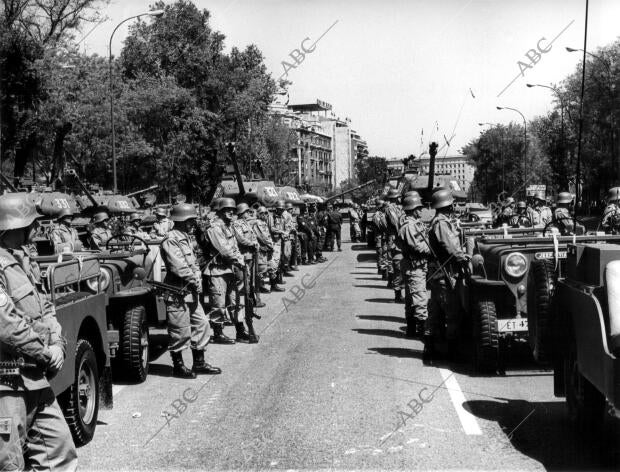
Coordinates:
column 458, row 166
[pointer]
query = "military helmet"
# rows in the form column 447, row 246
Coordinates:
column 393, row 194
column 262, row 209
column 242, row 208
column 614, row 194
column 100, row 217
column 183, row 212
column 280, row 205
column 411, row 203
column 65, row 212
column 540, row 195
column 289, row 206
column 521, row 205
column 442, row 198
column 564, row 197
column 161, row 212
column 510, row 201
column 135, row 217
column 17, row 210
column 412, row 193
column 226, row 204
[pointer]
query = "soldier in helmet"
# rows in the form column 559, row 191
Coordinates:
column 224, row 255
column 290, row 216
column 267, row 262
column 162, row 224
column 188, row 325
column 334, row 227
column 520, row 218
column 393, row 214
column 134, row 229
column 611, row 215
column 562, row 218
column 413, row 242
column 280, row 234
column 444, row 302
column 33, row 431
column 321, row 221
column 306, row 236
column 100, row 233
column 313, row 222
column 507, row 212
column 380, row 224
column 539, row 214
column 64, row 237
column 355, row 218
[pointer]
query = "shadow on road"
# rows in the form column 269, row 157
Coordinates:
column 372, row 286
column 380, row 332
column 369, row 278
column 380, row 300
column 397, row 352
column 396, row 319
column 366, row 257
column 361, row 247
column 365, row 273
column 162, row 370
column 563, row 448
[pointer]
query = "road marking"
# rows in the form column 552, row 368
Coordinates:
column 468, row 421
column 116, row 389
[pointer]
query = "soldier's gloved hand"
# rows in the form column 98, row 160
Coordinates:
column 57, row 358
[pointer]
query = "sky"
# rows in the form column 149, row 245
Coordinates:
column 406, row 72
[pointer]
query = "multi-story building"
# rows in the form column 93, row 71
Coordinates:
column 459, row 167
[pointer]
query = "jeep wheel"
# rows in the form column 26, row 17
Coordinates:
column 133, row 355
column 80, row 402
column 542, row 279
column 585, row 404
column 485, row 339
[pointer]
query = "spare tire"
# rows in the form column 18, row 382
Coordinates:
column 541, row 284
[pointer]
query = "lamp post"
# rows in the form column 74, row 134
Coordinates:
column 501, row 152
column 155, row 13
column 524, row 142
column 559, row 95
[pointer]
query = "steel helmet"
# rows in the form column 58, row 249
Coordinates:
column 262, row 209
column 521, row 204
column 17, row 210
column 100, row 217
column 226, row 204
column 412, row 193
column 393, row 194
column 65, row 212
column 614, row 194
column 510, row 201
column 540, row 195
column 135, row 217
column 565, row 197
column 289, row 206
column 280, row 204
column 161, row 212
column 442, row 198
column 242, row 208
column 411, row 203
column 183, row 212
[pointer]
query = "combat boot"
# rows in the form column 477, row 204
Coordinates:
column 252, row 336
column 242, row 336
column 398, row 296
column 411, row 331
column 384, row 274
column 178, row 367
column 218, row 335
column 428, row 355
column 200, row 366
column 390, row 280
column 259, row 303
column 275, row 287
column 294, row 268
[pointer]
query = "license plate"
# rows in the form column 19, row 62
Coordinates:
column 512, row 324
column 550, row 255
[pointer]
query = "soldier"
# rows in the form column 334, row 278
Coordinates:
column 268, row 250
column 307, row 239
column 355, row 219
column 414, row 244
column 321, row 222
column 313, row 221
column 562, row 218
column 334, row 227
column 188, row 326
column 162, row 225
column 248, row 245
column 611, row 215
column 100, row 233
column 63, row 235
column 33, row 431
column 507, row 212
column 380, row 224
column 444, row 302
column 224, row 255
column 393, row 213
column 280, row 233
column 290, row 215
column 539, row 214
column 520, row 218
column 134, row 229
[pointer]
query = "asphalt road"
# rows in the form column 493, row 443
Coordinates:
column 334, row 383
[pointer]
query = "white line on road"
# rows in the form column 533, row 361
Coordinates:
column 116, row 389
column 468, row 421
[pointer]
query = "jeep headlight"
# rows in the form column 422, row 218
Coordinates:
column 104, row 281
column 515, row 264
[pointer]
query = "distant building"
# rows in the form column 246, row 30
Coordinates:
column 459, row 167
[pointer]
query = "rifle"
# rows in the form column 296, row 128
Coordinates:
column 442, row 267
column 248, row 296
column 12, row 368
column 164, row 288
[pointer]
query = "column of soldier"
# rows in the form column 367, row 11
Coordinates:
column 213, row 252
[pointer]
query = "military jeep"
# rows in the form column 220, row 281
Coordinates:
column 586, row 341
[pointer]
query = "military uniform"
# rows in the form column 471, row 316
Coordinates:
column 444, row 302
column 100, row 236
column 65, row 238
column 33, row 431
column 188, row 326
column 380, row 223
column 279, row 235
column 140, row 233
column 313, row 223
column 307, row 238
column 161, row 228
column 354, row 230
column 413, row 241
column 333, row 221
column 393, row 214
column 263, row 236
column 611, row 219
column 539, row 216
column 248, row 246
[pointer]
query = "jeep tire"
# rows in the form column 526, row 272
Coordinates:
column 541, row 285
column 80, row 402
column 133, row 352
column 485, row 336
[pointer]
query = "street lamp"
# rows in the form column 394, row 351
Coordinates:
column 501, row 152
column 157, row 14
column 524, row 142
